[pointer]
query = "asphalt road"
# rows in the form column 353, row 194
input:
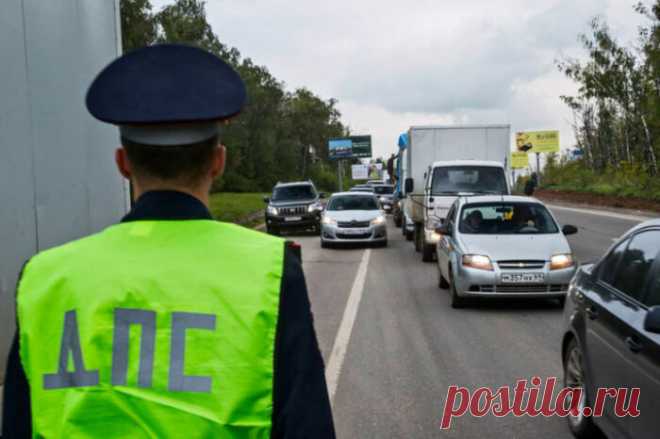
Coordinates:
column 407, row 345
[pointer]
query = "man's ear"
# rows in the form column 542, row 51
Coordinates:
column 123, row 164
column 219, row 160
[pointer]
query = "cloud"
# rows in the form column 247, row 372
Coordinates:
column 393, row 64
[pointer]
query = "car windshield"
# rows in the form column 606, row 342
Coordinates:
column 293, row 193
column 449, row 180
column 506, row 218
column 384, row 190
column 352, row 202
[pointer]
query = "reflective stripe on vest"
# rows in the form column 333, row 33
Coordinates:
column 153, row 329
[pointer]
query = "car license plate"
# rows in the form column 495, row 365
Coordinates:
column 354, row 231
column 523, row 278
column 293, row 218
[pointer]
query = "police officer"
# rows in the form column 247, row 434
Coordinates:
column 168, row 324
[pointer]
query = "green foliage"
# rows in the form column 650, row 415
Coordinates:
column 137, row 24
column 279, row 136
column 617, row 108
column 236, row 208
column 628, row 180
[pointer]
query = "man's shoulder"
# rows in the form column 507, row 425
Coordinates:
column 64, row 250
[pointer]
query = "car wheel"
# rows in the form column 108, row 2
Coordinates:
column 409, row 235
column 383, row 244
column 581, row 426
column 562, row 301
column 397, row 220
column 442, row 282
column 456, row 300
column 418, row 238
column 427, row 252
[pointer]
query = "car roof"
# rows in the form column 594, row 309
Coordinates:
column 383, row 185
column 442, row 163
column 654, row 222
column 341, row 194
column 295, row 183
column 471, row 199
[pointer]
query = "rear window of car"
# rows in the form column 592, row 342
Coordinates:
column 384, row 190
column 506, row 218
column 295, row 192
column 351, row 202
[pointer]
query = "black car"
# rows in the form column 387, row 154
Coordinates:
column 293, row 206
column 385, row 194
column 612, row 335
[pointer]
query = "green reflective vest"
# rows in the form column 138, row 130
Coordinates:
column 153, row 329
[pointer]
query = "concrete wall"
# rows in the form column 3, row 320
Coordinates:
column 57, row 175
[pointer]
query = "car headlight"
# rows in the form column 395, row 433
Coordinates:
column 383, row 199
column 557, row 262
column 378, row 221
column 480, row 262
column 329, row 221
column 314, row 207
column 272, row 210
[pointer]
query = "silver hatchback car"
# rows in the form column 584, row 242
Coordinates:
column 503, row 246
column 353, row 217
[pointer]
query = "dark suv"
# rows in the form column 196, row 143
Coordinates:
column 293, row 206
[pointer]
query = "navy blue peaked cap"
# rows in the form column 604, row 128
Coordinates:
column 166, row 84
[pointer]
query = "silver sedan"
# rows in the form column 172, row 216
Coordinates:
column 353, row 217
column 503, row 246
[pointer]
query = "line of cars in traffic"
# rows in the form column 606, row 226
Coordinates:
column 356, row 216
column 454, row 202
column 506, row 246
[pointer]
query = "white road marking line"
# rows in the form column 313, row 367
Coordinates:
column 605, row 213
column 333, row 369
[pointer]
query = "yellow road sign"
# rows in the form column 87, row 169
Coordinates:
column 519, row 160
column 538, row 141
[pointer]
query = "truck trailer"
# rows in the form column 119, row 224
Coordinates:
column 58, row 180
column 442, row 163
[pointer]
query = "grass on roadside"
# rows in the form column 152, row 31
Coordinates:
column 240, row 208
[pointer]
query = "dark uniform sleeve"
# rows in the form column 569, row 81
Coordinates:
column 16, row 413
column 301, row 407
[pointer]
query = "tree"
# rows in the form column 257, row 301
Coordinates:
column 138, row 26
column 272, row 138
column 616, row 109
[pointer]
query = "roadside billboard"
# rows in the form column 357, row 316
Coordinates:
column 537, row 141
column 349, row 147
column 519, row 160
column 360, row 172
column 361, row 146
column 340, row 149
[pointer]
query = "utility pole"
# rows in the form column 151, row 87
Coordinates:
column 339, row 176
column 538, row 167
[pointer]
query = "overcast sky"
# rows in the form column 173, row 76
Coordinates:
column 393, row 64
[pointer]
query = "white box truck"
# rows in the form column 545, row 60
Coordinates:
column 445, row 162
column 58, row 180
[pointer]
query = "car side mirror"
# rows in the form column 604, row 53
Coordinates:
column 569, row 230
column 443, row 229
column 409, row 185
column 652, row 320
column 266, row 200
